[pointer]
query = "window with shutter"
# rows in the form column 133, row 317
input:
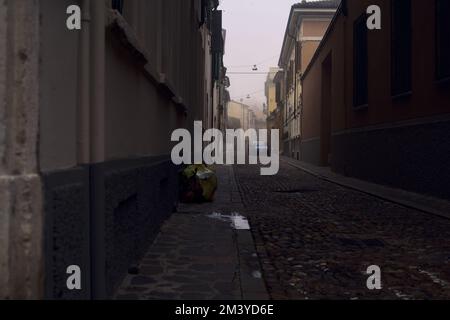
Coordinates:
column 360, row 63
column 118, row 5
column 401, row 47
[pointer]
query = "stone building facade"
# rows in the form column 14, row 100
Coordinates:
column 270, row 91
column 86, row 118
column 275, row 117
column 306, row 26
column 240, row 116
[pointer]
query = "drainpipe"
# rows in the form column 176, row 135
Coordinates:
column 97, row 149
column 295, row 79
column 83, row 142
column 301, row 123
column 97, row 81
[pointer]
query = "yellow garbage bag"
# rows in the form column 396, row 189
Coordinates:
column 199, row 183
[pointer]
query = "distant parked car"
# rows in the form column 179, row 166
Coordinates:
column 260, row 146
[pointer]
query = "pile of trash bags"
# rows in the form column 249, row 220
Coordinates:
column 198, row 184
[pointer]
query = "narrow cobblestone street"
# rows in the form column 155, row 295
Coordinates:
column 316, row 239
column 310, row 238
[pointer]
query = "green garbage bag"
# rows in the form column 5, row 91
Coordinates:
column 198, row 184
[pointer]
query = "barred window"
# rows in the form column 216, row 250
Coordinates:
column 442, row 42
column 360, row 62
column 118, row 5
column 401, row 47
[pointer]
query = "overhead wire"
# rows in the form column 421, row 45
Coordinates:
column 247, row 94
column 257, row 64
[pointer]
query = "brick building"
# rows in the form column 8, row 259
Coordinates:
column 376, row 103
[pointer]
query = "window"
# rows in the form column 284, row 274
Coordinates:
column 401, row 47
column 117, row 5
column 442, row 42
column 360, row 62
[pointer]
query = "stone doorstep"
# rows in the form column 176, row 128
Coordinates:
column 423, row 203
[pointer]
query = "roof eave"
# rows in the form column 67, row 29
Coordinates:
column 306, row 12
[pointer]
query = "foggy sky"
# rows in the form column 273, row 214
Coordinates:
column 255, row 31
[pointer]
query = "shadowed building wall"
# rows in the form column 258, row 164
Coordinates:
column 99, row 106
column 391, row 127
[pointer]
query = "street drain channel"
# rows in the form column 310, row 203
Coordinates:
column 238, row 221
column 296, row 191
column 356, row 242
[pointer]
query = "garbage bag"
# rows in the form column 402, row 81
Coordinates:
column 198, row 183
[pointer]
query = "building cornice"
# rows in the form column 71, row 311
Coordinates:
column 120, row 28
column 295, row 17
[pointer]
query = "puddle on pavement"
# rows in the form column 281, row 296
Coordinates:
column 238, row 221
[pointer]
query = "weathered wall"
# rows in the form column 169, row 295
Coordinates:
column 58, row 86
column 67, row 229
column 139, row 116
column 138, row 196
column 103, row 214
column 139, row 120
column 65, row 185
column 21, row 220
column 3, row 75
column 5, row 207
column 100, row 213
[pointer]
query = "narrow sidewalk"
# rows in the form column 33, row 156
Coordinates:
column 204, row 251
column 424, row 203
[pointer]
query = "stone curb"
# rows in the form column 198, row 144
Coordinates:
column 426, row 204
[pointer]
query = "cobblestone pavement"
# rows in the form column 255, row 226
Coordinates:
column 316, row 240
column 199, row 255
